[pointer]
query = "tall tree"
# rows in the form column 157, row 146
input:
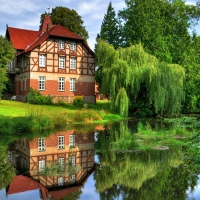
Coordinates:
column 110, row 33
column 110, row 28
column 6, row 52
column 133, row 75
column 6, row 55
column 192, row 82
column 69, row 19
column 161, row 26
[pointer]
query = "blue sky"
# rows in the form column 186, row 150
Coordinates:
column 26, row 13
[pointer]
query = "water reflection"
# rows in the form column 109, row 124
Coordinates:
column 63, row 166
column 58, row 153
column 140, row 175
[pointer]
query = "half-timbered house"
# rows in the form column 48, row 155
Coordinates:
column 53, row 60
column 63, row 149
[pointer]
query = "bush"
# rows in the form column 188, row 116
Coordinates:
column 86, row 116
column 35, row 97
column 78, row 101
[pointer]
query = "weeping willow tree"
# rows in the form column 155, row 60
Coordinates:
column 133, row 75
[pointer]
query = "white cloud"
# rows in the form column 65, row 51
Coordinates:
column 13, row 7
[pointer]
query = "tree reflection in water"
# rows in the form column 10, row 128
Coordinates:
column 144, row 175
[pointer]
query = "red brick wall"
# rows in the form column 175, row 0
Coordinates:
column 82, row 88
column 52, row 140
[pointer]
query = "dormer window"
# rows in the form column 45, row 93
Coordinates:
column 73, row 46
column 61, row 44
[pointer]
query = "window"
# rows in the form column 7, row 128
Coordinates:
column 41, row 165
column 73, row 46
column 61, row 161
column 72, row 84
column 72, row 178
column 21, row 84
column 60, row 181
column 72, row 63
column 42, row 60
column 25, row 84
column 72, row 160
column 23, row 61
column 61, row 62
column 42, row 82
column 71, row 140
column 61, row 44
column 61, row 84
column 61, row 143
column 41, row 144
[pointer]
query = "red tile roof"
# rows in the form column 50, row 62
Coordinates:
column 23, row 183
column 61, row 31
column 21, row 38
column 27, row 40
column 58, row 31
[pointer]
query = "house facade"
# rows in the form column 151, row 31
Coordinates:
column 53, row 60
column 63, row 148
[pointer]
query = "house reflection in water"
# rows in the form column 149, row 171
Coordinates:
column 32, row 157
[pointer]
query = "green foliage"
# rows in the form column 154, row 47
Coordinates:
column 162, row 27
column 68, row 18
column 35, row 97
column 55, row 169
column 135, row 76
column 60, row 120
column 6, row 52
column 78, row 101
column 110, row 33
column 6, row 169
column 86, row 116
column 3, row 80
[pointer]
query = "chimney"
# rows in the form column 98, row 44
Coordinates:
column 46, row 24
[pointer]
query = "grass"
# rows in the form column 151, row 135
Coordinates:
column 100, row 111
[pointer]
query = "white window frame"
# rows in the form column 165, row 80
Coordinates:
column 61, row 84
column 72, row 63
column 72, row 141
column 60, row 181
column 41, row 165
column 72, row 178
column 61, row 161
column 72, row 86
column 61, row 62
column 61, row 142
column 61, row 44
column 73, row 45
column 41, row 83
column 72, row 160
column 41, row 144
column 42, row 60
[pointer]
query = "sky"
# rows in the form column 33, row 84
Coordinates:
column 26, row 13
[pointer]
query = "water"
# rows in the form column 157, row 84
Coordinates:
column 76, row 165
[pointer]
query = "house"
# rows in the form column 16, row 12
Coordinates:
column 64, row 148
column 53, row 60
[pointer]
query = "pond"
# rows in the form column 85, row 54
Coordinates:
column 101, row 164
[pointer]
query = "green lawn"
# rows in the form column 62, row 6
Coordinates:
column 14, row 108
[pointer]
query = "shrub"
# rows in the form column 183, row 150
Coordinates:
column 86, row 116
column 59, row 121
column 35, row 97
column 78, row 101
